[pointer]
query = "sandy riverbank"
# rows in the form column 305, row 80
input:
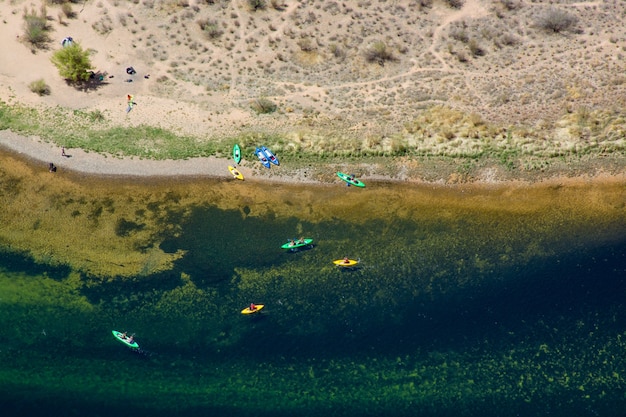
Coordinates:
column 41, row 153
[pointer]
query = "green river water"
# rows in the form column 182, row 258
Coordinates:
column 467, row 301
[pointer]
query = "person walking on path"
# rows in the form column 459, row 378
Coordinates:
column 63, row 151
column 131, row 102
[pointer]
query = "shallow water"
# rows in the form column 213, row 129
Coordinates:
column 466, row 301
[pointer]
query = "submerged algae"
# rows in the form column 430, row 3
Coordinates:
column 468, row 300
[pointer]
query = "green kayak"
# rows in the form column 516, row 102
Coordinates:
column 127, row 340
column 236, row 153
column 297, row 243
column 350, row 180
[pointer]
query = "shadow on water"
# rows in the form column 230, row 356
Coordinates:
column 15, row 262
column 521, row 305
column 218, row 241
column 556, row 293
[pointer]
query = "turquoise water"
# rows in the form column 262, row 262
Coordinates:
column 451, row 312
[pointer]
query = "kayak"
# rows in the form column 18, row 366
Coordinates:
column 261, row 155
column 237, row 153
column 270, row 155
column 296, row 243
column 238, row 175
column 350, row 179
column 256, row 310
column 120, row 336
column 342, row 262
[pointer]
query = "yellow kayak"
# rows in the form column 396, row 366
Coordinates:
column 235, row 173
column 257, row 308
column 345, row 262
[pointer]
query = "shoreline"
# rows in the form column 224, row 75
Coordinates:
column 96, row 164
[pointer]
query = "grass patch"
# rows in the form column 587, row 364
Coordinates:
column 438, row 132
column 39, row 87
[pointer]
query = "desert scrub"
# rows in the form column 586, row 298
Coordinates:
column 36, row 27
column 455, row 4
column 255, row 5
column 67, row 10
column 379, row 53
column 210, row 28
column 263, row 106
column 556, row 20
column 39, row 87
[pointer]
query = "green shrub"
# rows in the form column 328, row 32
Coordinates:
column 39, row 87
column 73, row 63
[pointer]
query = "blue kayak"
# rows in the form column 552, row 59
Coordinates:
column 261, row 155
column 269, row 155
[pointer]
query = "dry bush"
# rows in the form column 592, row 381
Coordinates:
column 39, row 87
column 103, row 26
column 255, row 5
column 263, row 106
column 379, row 52
column 68, row 11
column 210, row 28
column 511, row 4
column 455, row 4
column 459, row 34
column 337, row 51
column 556, row 20
column 475, row 48
column 36, row 27
column 306, row 45
column 278, row 5
column 425, row 3
column 509, row 39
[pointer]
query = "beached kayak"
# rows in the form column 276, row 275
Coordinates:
column 350, row 179
column 269, row 155
column 261, row 155
column 343, row 262
column 256, row 310
column 238, row 175
column 297, row 243
column 126, row 340
column 237, row 153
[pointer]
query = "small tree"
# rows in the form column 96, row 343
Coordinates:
column 73, row 63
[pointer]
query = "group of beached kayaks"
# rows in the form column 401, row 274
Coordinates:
column 265, row 155
column 267, row 158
